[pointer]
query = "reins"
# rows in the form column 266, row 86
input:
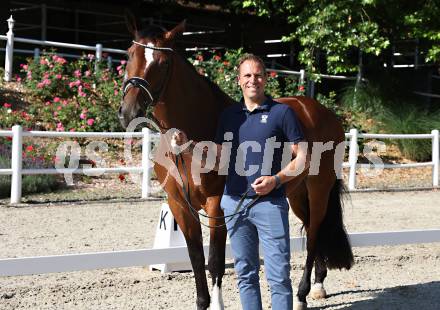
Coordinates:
column 186, row 195
column 145, row 87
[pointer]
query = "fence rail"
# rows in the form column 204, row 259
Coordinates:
column 144, row 257
column 147, row 137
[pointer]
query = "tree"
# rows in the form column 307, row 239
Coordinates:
column 340, row 29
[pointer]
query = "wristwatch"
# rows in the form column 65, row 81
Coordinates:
column 277, row 181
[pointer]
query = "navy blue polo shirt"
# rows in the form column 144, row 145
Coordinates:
column 258, row 139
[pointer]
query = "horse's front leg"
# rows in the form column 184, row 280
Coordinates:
column 216, row 262
column 193, row 235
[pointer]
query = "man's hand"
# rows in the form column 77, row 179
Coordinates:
column 179, row 142
column 264, row 185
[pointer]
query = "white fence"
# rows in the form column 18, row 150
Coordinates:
column 17, row 172
column 145, row 257
column 98, row 48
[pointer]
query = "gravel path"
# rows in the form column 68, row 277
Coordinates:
column 400, row 277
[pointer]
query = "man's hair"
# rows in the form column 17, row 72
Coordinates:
column 251, row 57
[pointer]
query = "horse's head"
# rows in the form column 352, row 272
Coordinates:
column 148, row 69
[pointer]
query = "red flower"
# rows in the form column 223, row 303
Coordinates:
column 9, row 138
column 121, row 177
column 7, row 105
column 217, row 58
column 273, row 74
column 199, row 57
column 226, row 63
column 29, row 148
column 301, row 88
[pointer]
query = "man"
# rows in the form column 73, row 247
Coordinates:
column 255, row 127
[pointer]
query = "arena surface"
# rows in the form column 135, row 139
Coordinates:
column 398, row 277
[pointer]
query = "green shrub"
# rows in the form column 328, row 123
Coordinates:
column 410, row 120
column 222, row 70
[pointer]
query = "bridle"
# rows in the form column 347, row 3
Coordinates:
column 152, row 97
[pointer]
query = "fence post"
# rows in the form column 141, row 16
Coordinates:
column 109, row 62
column 16, row 163
column 9, row 50
column 98, row 55
column 352, row 159
column 435, row 157
column 36, row 54
column 146, row 176
column 302, row 76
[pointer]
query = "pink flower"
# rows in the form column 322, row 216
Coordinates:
column 77, row 73
column 43, row 61
column 60, row 126
column 87, row 73
column 56, row 99
column 72, row 129
column 59, row 59
column 59, row 108
column 90, row 56
column 58, row 76
column 55, row 114
column 7, row 105
column 64, row 102
column 90, row 121
column 18, row 79
column 40, row 85
column 123, row 62
column 48, row 103
column 46, row 82
column 116, row 92
column 83, row 115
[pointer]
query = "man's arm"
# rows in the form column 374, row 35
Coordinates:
column 294, row 170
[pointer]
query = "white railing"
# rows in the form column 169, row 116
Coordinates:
column 98, row 48
column 354, row 135
column 17, row 171
column 145, row 257
column 10, row 39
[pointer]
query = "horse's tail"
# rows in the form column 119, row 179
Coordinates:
column 333, row 245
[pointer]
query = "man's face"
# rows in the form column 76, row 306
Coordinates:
column 252, row 80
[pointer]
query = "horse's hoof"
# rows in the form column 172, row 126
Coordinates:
column 318, row 291
column 299, row 305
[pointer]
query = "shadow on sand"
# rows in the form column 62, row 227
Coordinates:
column 424, row 296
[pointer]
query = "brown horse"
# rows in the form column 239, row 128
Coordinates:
column 157, row 76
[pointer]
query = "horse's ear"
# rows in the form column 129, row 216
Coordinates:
column 132, row 22
column 176, row 31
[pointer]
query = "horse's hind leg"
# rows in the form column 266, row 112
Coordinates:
column 193, row 235
column 318, row 291
column 318, row 192
column 216, row 260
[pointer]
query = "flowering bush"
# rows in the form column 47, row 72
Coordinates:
column 80, row 95
column 222, row 70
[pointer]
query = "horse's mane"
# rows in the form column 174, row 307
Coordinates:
column 156, row 32
column 214, row 87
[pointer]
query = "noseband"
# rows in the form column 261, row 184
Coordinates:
column 141, row 83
